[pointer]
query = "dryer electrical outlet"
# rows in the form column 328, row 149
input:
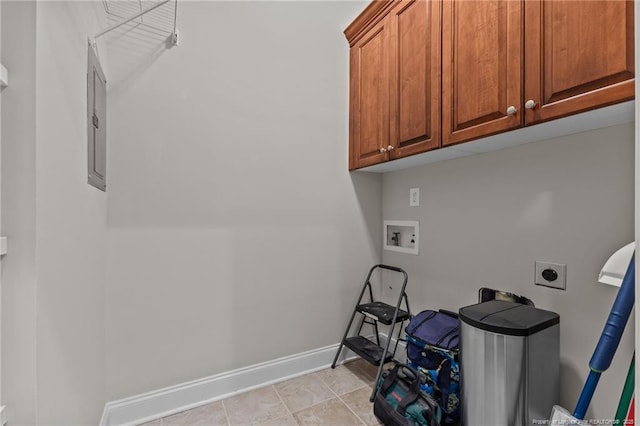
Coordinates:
column 552, row 275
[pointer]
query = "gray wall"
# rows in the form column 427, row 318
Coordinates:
column 485, row 220
column 53, row 330
column 232, row 219
column 236, row 234
column 18, row 212
column 0, row 213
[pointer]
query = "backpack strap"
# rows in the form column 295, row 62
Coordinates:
column 444, row 381
column 410, row 397
column 390, row 379
column 450, row 313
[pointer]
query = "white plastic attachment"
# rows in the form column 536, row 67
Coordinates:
column 613, row 271
column 560, row 416
column 4, row 76
column 3, row 246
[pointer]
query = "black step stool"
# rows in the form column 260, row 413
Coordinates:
column 372, row 313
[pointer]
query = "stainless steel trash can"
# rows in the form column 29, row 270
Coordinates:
column 510, row 364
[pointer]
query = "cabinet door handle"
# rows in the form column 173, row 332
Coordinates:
column 390, row 148
column 382, row 150
column 512, row 110
column 530, row 104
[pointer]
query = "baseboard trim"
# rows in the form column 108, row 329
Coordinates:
column 164, row 402
column 153, row 405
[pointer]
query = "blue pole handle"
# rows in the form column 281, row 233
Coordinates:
column 618, row 317
column 587, row 393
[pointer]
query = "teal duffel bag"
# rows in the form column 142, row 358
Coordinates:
column 400, row 401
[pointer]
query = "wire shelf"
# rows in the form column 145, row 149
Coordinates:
column 136, row 33
column 157, row 17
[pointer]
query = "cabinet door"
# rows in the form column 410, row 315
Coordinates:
column 369, row 97
column 578, row 55
column 415, row 77
column 481, row 68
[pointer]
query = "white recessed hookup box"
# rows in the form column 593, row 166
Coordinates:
column 402, row 236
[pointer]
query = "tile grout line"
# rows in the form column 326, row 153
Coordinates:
column 315, row 374
column 226, row 414
column 359, row 374
column 283, row 403
column 335, row 395
column 343, row 401
column 350, row 409
column 374, row 384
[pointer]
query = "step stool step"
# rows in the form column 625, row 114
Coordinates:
column 367, row 349
column 382, row 312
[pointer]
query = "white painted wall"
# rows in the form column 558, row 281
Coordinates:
column 18, row 213
column 485, row 220
column 236, row 234
column 232, row 220
column 53, row 280
column 1, row 399
column 70, row 222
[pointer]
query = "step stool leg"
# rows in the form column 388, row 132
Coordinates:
column 353, row 315
column 375, row 384
column 395, row 348
column 384, row 356
column 375, row 325
column 344, row 337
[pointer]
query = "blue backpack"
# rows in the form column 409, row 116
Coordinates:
column 433, row 348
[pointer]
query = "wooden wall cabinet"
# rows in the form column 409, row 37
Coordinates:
column 394, row 82
column 481, row 68
column 369, row 88
column 579, row 55
column 506, row 64
column 431, row 73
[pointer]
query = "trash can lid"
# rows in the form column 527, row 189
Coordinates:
column 509, row 318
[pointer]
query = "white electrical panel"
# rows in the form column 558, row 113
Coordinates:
column 96, row 123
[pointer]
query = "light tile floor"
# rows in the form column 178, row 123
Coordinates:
column 332, row 397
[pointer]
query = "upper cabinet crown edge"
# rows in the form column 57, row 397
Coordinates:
column 373, row 13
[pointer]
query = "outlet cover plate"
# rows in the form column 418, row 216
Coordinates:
column 414, row 197
column 561, row 270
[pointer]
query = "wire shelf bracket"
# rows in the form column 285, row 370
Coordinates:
column 174, row 31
